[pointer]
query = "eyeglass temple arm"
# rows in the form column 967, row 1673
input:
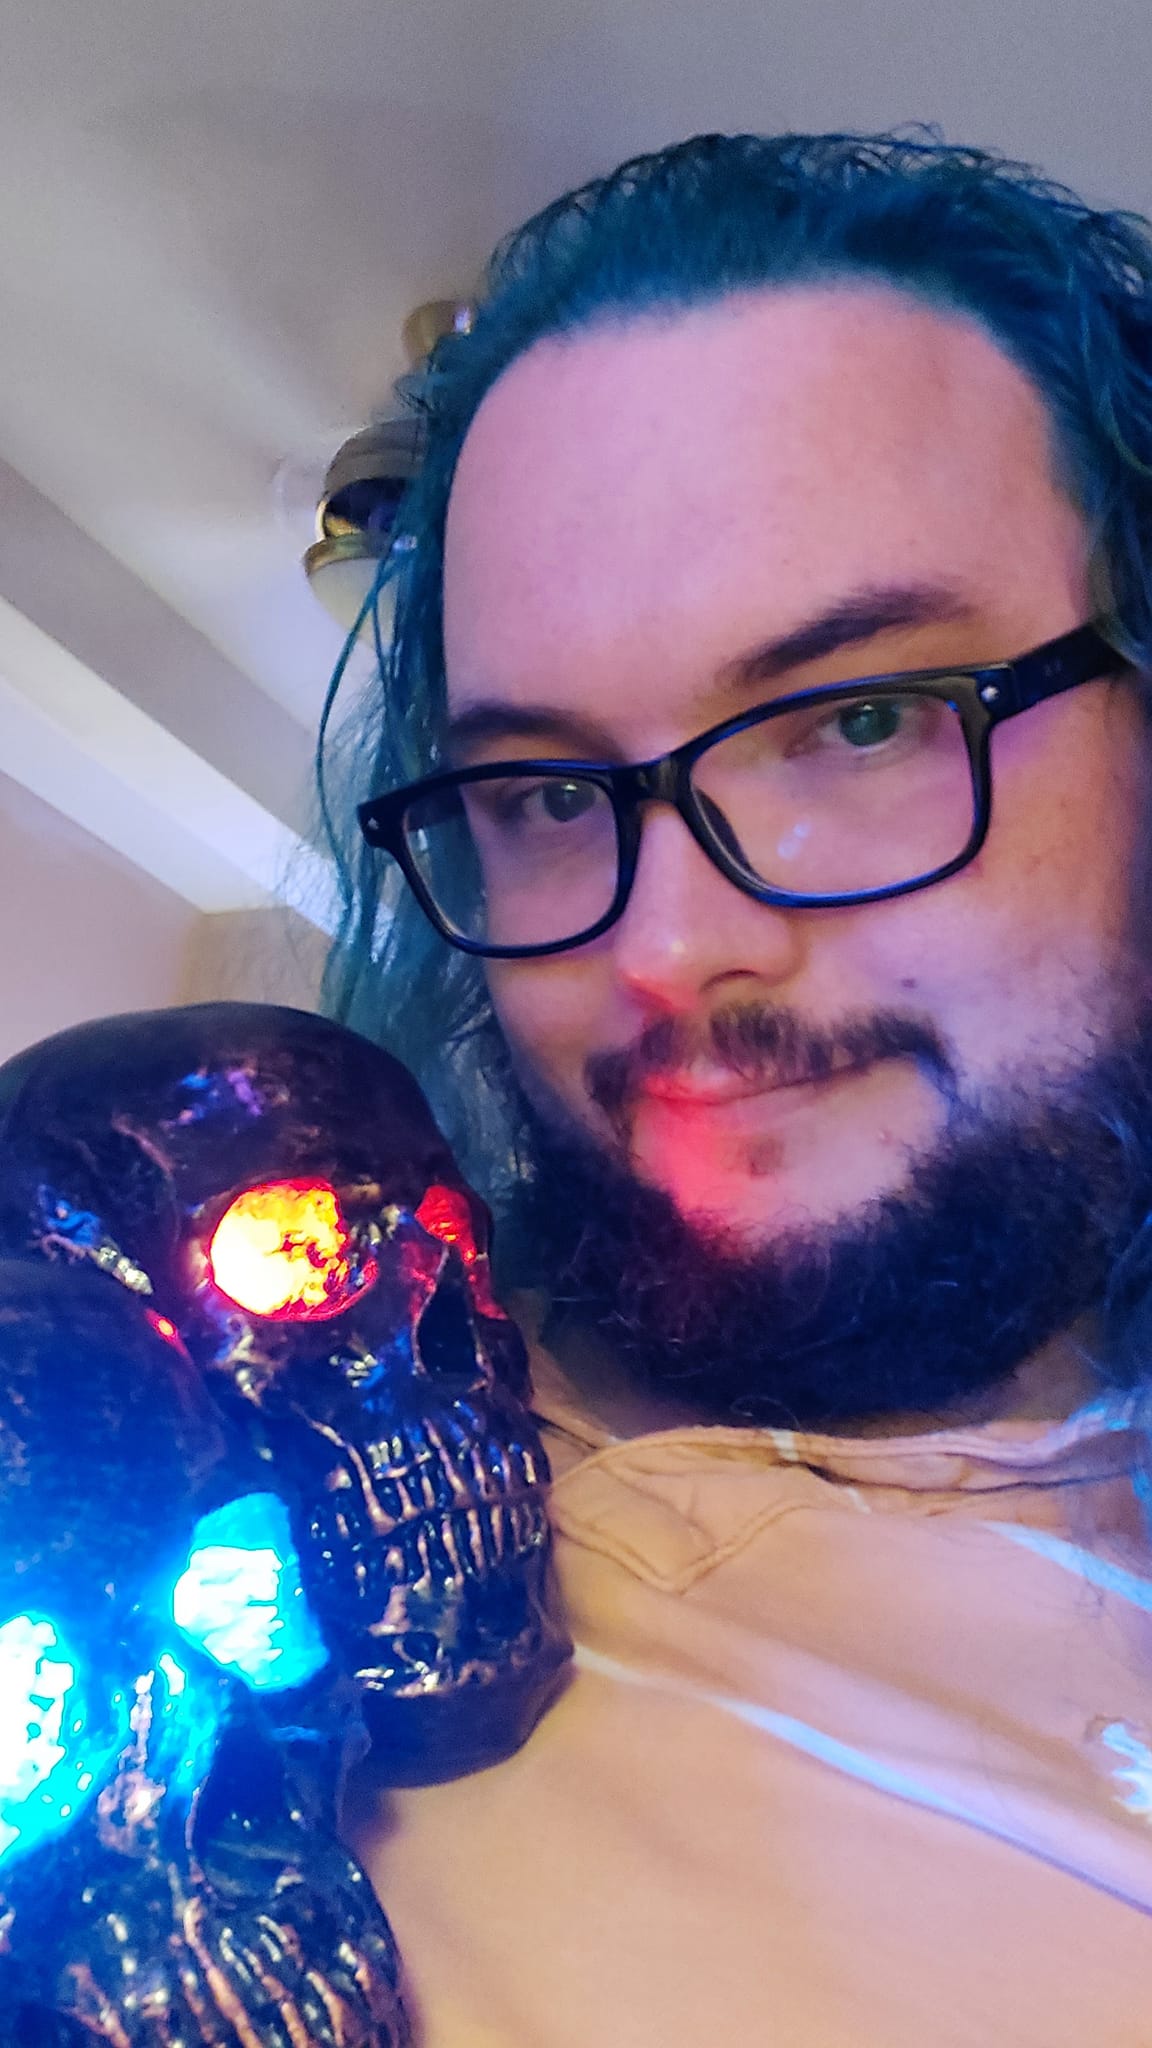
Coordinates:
column 1063, row 664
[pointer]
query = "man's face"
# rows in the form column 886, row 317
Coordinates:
column 639, row 510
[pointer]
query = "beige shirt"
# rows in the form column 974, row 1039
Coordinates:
column 857, row 1754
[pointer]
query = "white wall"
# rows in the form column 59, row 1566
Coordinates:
column 82, row 931
column 254, row 956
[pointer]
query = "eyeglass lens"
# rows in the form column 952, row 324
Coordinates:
column 828, row 799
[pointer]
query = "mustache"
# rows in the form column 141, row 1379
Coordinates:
column 761, row 1043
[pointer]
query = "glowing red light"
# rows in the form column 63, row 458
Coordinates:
column 284, row 1251
column 446, row 1213
column 164, row 1328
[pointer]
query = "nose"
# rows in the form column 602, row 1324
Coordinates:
column 446, row 1333
column 688, row 932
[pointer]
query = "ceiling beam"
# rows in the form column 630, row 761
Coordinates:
column 61, row 578
column 82, row 746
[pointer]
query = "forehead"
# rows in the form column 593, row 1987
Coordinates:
column 670, row 490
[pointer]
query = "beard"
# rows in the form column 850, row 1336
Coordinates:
column 1027, row 1213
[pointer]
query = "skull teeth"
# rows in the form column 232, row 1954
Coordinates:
column 442, row 1468
column 473, row 1543
column 436, row 1550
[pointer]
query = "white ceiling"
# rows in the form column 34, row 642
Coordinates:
column 217, row 215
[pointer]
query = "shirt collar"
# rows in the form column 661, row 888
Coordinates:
column 1102, row 1440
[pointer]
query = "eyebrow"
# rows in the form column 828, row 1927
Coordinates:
column 853, row 621
column 491, row 719
column 858, row 618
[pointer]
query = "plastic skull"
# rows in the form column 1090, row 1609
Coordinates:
column 277, row 1188
column 157, row 1886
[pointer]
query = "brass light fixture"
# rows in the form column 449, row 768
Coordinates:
column 365, row 484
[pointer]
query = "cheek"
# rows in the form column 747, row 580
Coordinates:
column 1069, row 838
column 550, row 1012
column 1028, row 953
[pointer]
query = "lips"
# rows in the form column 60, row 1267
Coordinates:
column 714, row 1087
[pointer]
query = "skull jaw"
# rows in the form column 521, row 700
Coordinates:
column 426, row 1739
column 427, row 1553
column 459, row 1667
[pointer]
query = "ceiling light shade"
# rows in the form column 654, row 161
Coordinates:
column 356, row 517
column 365, row 485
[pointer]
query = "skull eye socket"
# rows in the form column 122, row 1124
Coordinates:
column 446, row 1213
column 55, row 1751
column 284, row 1250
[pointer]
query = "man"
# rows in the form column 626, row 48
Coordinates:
column 771, row 628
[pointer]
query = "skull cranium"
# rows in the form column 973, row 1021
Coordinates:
column 275, row 1186
column 158, row 1887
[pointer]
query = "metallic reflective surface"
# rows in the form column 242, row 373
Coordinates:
column 178, row 1897
column 393, row 1420
column 240, row 1598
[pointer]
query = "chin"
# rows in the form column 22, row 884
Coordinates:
column 798, row 1158
column 766, row 1199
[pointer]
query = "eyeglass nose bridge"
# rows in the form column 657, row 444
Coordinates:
column 666, row 780
column 662, row 781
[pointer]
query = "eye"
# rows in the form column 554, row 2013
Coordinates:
column 526, row 802
column 447, row 1214
column 871, row 725
column 240, row 1599
column 876, row 727
column 52, row 1759
column 285, row 1251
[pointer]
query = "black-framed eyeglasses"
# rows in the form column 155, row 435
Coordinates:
column 845, row 794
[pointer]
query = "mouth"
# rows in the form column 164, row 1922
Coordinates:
column 467, row 1650
column 439, row 1556
column 437, row 1544
column 714, row 1087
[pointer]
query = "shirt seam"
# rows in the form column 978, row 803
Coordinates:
column 638, row 1566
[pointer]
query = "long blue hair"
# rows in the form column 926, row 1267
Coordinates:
column 1065, row 290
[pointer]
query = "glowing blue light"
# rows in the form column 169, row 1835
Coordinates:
column 184, row 1730
column 176, row 1677
column 240, row 1599
column 50, row 1761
